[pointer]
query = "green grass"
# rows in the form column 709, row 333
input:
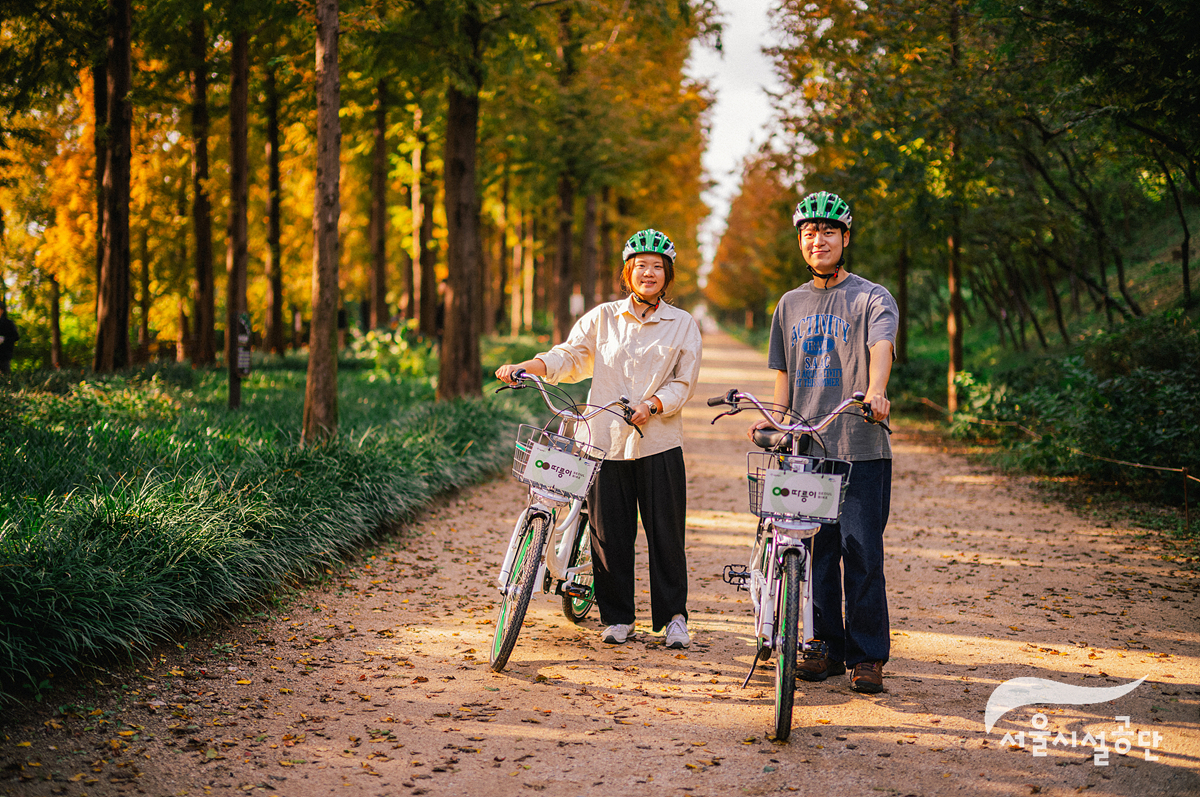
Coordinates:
column 136, row 507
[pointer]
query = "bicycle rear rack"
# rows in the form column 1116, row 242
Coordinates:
column 737, row 575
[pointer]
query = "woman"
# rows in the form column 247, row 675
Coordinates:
column 648, row 350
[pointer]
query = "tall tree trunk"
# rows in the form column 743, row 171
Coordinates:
column 1185, row 247
column 56, row 361
column 606, row 277
column 112, row 302
column 562, row 282
column 320, row 394
column 1052, row 297
column 954, row 325
column 183, row 341
column 527, row 272
column 591, row 253
column 100, row 145
column 143, row 354
column 204, row 346
column 1103, row 280
column 236, row 249
column 461, row 372
column 518, row 284
column 274, row 337
column 415, row 297
column 499, row 281
column 407, row 308
column 427, row 321
column 378, row 224
column 902, row 269
column 1022, row 294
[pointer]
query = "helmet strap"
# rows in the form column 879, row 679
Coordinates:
column 653, row 305
column 827, row 277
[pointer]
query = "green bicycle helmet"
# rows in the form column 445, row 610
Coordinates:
column 649, row 241
column 822, row 206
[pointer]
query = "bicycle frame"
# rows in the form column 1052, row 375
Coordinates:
column 778, row 538
column 561, row 512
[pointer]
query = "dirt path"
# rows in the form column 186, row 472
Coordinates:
column 378, row 684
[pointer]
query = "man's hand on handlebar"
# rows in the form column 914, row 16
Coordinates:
column 881, row 408
column 762, row 423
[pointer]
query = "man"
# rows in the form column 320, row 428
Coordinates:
column 8, row 339
column 831, row 337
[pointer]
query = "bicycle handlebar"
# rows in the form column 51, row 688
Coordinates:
column 622, row 402
column 734, row 396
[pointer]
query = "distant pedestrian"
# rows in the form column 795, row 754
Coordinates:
column 8, row 339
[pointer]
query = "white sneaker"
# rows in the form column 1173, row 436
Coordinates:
column 617, row 634
column 676, row 633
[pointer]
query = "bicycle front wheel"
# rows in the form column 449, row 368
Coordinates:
column 519, row 589
column 576, row 608
column 788, row 620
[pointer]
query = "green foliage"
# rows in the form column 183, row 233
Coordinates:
column 397, row 353
column 1132, row 394
column 137, row 506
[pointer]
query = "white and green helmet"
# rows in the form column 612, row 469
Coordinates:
column 649, row 241
column 822, row 206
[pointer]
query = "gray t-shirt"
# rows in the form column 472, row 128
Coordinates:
column 822, row 338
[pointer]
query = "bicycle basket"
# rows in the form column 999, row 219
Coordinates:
column 554, row 463
column 790, row 487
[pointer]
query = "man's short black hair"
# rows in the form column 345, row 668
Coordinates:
column 822, row 224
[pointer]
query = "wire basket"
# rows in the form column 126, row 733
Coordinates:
column 563, row 466
column 797, row 487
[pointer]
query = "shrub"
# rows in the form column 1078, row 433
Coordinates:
column 1131, row 394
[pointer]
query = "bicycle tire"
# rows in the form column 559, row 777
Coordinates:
column 575, row 609
column 788, row 619
column 518, row 590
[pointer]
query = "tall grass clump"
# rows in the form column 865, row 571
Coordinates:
column 135, row 507
column 1130, row 394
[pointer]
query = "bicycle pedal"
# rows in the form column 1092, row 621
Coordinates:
column 576, row 590
column 737, row 575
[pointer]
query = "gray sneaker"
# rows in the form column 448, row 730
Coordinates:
column 617, row 634
column 676, row 633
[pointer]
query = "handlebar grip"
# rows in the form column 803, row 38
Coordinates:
column 716, row 401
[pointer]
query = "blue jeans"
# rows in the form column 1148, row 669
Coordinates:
column 856, row 542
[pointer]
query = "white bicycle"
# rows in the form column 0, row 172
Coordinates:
column 792, row 493
column 551, row 541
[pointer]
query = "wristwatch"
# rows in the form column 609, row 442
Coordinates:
column 653, row 406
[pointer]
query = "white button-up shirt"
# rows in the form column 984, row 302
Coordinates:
column 626, row 355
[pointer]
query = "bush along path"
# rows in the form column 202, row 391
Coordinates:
column 131, row 515
column 376, row 683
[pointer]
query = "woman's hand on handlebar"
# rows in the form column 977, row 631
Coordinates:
column 508, row 373
column 640, row 414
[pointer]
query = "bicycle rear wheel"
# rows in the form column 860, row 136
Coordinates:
column 575, row 609
column 788, row 620
column 519, row 589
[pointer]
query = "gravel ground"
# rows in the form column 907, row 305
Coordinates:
column 376, row 682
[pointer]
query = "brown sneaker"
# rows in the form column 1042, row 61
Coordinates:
column 867, row 677
column 816, row 666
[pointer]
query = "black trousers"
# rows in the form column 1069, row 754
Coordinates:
column 657, row 486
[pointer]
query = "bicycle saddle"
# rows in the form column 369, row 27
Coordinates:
column 772, row 440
